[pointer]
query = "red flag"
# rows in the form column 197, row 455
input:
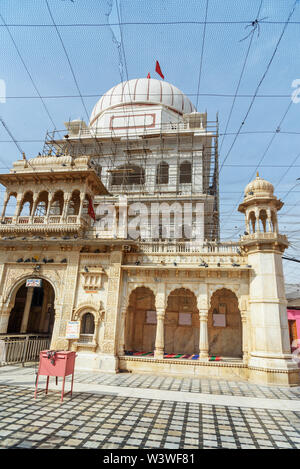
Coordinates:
column 148, row 76
column 91, row 210
column 158, row 70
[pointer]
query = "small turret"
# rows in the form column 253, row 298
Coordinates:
column 260, row 207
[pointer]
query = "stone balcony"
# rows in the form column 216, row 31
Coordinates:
column 42, row 224
column 264, row 237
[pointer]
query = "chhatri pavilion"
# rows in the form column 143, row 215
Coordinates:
column 114, row 235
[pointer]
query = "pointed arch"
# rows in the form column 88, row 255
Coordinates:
column 140, row 321
column 182, row 322
column 224, row 324
column 26, row 204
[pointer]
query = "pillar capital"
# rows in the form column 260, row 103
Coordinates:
column 203, row 314
column 160, row 313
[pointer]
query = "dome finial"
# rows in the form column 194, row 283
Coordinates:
column 257, row 174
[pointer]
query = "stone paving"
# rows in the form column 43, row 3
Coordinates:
column 203, row 385
column 194, row 385
column 108, row 421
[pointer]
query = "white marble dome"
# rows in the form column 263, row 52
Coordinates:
column 143, row 91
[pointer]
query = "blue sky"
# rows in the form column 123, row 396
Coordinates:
column 177, row 43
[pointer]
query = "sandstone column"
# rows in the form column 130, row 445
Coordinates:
column 245, row 339
column 109, row 360
column 65, row 302
column 203, row 336
column 44, row 309
column 25, row 318
column 160, row 339
column 122, row 331
column 5, row 202
column 4, row 318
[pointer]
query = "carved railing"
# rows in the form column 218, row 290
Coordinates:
column 260, row 235
column 189, row 247
column 43, row 220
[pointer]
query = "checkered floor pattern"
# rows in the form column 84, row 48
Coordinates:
column 202, row 385
column 108, row 421
column 111, row 421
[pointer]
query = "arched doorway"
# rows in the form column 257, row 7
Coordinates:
column 33, row 311
column 182, row 323
column 140, row 323
column 224, row 325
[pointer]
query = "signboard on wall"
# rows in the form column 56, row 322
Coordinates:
column 73, row 330
column 219, row 320
column 185, row 319
column 34, row 282
column 151, row 317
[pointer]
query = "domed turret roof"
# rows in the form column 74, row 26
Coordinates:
column 259, row 187
column 143, row 91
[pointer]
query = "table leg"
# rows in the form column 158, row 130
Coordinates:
column 47, row 384
column 63, row 389
column 36, row 385
column 72, row 383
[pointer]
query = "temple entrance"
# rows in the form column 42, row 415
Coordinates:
column 224, row 325
column 33, row 311
column 140, row 324
column 182, row 323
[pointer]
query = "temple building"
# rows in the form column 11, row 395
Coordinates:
column 113, row 247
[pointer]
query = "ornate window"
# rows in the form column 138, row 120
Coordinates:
column 87, row 328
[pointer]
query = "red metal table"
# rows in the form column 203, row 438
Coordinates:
column 58, row 364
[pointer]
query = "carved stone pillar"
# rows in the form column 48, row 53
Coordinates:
column 122, row 331
column 34, row 204
column 96, row 326
column 44, row 309
column 203, row 335
column 269, row 220
column 82, row 197
column 25, row 318
column 67, row 197
column 129, row 327
column 57, row 318
column 160, row 339
column 109, row 345
column 49, row 204
column 257, row 220
column 202, row 305
column 18, row 208
column 245, row 339
column 5, row 202
column 4, row 318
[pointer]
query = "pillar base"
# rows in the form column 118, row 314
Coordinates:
column 159, row 353
column 203, row 356
column 278, row 369
column 95, row 362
